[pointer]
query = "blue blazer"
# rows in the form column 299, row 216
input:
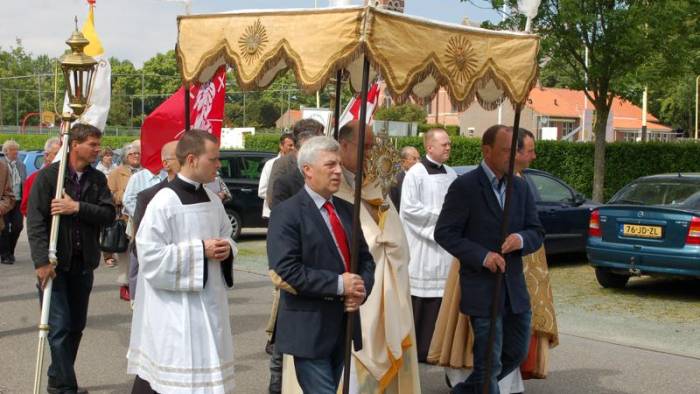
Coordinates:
column 469, row 227
column 301, row 250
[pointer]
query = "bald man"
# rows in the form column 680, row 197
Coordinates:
column 409, row 157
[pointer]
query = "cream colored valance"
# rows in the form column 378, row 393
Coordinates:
column 415, row 57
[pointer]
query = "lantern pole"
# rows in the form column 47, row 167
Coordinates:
column 82, row 69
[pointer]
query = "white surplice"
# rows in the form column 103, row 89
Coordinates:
column 422, row 196
column 181, row 338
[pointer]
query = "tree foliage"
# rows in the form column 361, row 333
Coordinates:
column 138, row 91
column 627, row 41
column 408, row 112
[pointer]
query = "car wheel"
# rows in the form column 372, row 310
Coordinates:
column 609, row 279
column 235, row 220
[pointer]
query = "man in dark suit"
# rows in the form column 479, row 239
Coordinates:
column 469, row 228
column 285, row 181
column 311, row 256
column 285, row 171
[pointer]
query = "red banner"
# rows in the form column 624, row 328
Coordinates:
column 167, row 122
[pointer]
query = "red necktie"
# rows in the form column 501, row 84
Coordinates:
column 339, row 234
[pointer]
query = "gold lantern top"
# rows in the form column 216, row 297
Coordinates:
column 78, row 71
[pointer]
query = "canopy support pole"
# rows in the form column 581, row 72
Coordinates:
column 504, row 234
column 187, row 106
column 336, row 114
column 356, row 227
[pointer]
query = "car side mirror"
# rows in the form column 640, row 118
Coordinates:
column 579, row 199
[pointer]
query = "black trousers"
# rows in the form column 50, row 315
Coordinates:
column 141, row 387
column 67, row 319
column 14, row 223
column 425, row 313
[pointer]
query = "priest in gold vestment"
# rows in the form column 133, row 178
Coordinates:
column 388, row 361
column 452, row 342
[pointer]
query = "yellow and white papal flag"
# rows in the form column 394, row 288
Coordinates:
column 98, row 105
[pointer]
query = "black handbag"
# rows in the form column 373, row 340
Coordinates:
column 114, row 239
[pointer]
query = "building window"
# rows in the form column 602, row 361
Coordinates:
column 630, row 136
column 566, row 128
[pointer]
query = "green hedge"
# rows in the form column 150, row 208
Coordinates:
column 36, row 141
column 572, row 162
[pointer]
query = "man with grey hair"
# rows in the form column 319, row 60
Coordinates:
column 51, row 148
column 409, row 157
column 14, row 222
column 311, row 259
column 285, row 180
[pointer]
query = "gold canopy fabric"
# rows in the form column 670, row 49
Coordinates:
column 413, row 56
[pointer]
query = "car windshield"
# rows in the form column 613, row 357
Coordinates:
column 660, row 192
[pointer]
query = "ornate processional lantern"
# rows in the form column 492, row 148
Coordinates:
column 79, row 71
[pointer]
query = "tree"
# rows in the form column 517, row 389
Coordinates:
column 618, row 35
column 125, row 83
column 408, row 112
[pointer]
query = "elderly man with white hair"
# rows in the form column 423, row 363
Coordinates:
column 13, row 219
column 117, row 182
column 51, row 147
column 311, row 260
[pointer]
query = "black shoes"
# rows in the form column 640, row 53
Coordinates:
column 53, row 390
column 7, row 260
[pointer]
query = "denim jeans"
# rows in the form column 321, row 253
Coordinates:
column 67, row 318
column 509, row 351
column 320, row 375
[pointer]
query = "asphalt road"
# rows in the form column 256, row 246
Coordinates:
column 601, row 350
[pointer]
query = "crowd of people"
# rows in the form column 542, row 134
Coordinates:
column 421, row 291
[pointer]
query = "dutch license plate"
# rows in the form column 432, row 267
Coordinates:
column 640, row 231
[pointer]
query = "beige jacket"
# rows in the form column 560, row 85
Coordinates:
column 117, row 181
column 7, row 197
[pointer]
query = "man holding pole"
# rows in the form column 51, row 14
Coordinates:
column 85, row 207
column 469, row 228
column 312, row 259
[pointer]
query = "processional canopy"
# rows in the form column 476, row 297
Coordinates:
column 414, row 56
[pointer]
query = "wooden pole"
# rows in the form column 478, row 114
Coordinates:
column 496, row 297
column 187, row 107
column 336, row 114
column 356, row 228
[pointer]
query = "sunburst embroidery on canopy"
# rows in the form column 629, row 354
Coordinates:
column 253, row 41
column 461, row 60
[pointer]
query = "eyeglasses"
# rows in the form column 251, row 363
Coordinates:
column 134, row 153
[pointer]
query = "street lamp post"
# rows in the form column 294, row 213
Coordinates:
column 78, row 72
